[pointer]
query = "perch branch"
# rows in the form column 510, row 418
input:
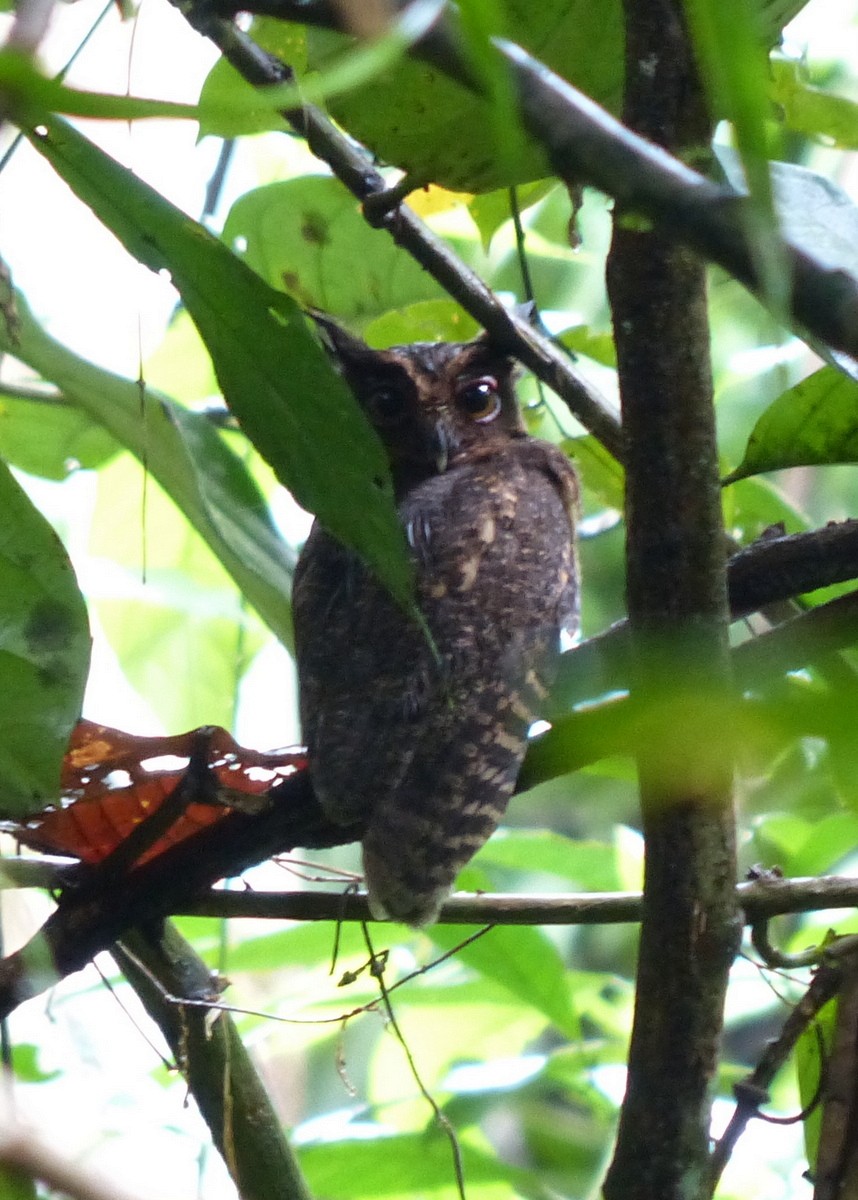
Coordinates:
column 759, row 901
column 92, row 915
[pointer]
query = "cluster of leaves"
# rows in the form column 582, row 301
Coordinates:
column 521, row 1030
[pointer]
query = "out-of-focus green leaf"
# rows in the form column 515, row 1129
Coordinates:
column 603, row 476
column 810, row 110
column 25, row 1063
column 228, row 109
column 186, row 456
column 812, row 424
column 753, row 505
column 409, row 1165
column 490, row 210
column 734, row 65
column 181, row 631
column 425, row 321
column 273, row 372
column 814, row 213
column 180, row 366
column 586, row 865
column 524, row 961
column 16, row 1186
column 308, row 236
column 414, row 117
column 50, row 437
column 225, row 89
column 598, row 345
column 578, row 738
column 810, row 1068
column 44, row 653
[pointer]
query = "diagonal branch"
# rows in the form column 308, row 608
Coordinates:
column 354, row 168
column 210, row 1054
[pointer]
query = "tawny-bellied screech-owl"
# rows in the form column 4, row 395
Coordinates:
column 424, row 746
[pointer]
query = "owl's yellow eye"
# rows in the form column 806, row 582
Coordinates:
column 479, row 398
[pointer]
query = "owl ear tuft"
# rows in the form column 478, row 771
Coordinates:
column 343, row 347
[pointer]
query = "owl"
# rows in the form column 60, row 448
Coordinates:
column 420, row 739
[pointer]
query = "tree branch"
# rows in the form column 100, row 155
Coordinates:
column 211, row 1056
column 93, row 912
column 758, row 900
column 771, row 570
column 678, row 612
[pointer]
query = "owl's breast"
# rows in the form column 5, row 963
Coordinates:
column 493, row 543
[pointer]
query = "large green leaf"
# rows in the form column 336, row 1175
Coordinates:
column 44, row 653
column 811, row 110
column 409, row 1165
column 187, row 457
column 734, row 66
column 524, row 961
column 180, row 628
column 813, row 423
column 51, row 437
column 415, row 117
column 308, row 234
column 274, row 374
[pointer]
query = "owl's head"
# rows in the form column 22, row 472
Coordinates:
column 435, row 405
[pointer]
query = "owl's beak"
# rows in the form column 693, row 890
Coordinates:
column 441, row 447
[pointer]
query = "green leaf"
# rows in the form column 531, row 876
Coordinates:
column 734, row 64
column 425, row 321
column 810, row 1068
column 583, row 864
column 183, row 635
column 186, row 456
column 224, row 90
column 810, row 110
column 491, row 210
column 524, row 961
column 814, row 213
column 14, row 1185
column 44, row 653
column 812, row 424
column 408, row 1165
column 51, row 437
column 274, row 374
column 25, row 1063
column 308, row 235
column 414, row 117
column 230, row 109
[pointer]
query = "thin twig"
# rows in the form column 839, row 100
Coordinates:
column 753, row 1091
column 440, row 1117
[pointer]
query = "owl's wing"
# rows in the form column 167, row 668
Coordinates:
column 497, row 574
column 364, row 672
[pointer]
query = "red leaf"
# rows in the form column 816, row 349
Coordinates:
column 113, row 780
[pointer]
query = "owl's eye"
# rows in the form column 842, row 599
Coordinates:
column 479, row 398
column 385, row 405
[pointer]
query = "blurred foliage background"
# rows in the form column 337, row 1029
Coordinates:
column 182, row 545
